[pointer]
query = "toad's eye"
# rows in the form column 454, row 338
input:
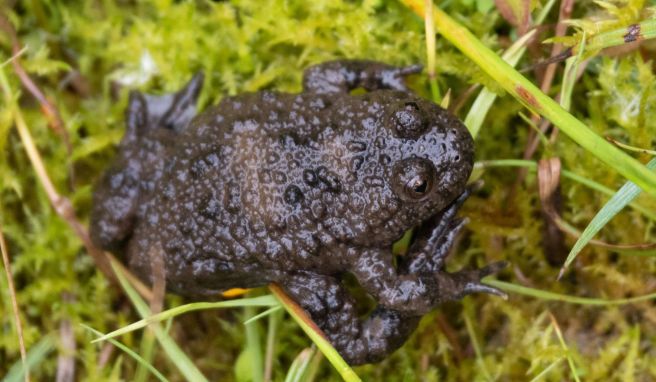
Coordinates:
column 417, row 186
column 413, row 179
column 408, row 120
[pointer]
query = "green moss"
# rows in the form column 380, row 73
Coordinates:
column 86, row 55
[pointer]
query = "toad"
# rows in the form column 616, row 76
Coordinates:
column 297, row 190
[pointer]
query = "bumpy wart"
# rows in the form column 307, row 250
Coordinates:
column 297, row 189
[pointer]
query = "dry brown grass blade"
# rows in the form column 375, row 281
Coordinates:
column 48, row 108
column 66, row 358
column 451, row 337
column 63, row 207
column 517, row 13
column 51, row 112
column 14, row 303
column 156, row 302
column 533, row 139
column 575, row 233
column 549, row 183
column 289, row 302
column 564, row 346
column 565, row 12
column 553, row 239
column 105, row 354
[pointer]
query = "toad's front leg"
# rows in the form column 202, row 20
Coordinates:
column 417, row 293
column 433, row 243
column 420, row 282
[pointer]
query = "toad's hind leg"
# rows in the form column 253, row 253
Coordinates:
column 116, row 197
column 332, row 308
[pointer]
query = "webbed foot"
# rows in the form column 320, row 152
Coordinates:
column 468, row 281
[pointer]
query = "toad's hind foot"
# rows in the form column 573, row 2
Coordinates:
column 172, row 111
column 332, row 308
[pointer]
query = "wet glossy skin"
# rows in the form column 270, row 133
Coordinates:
column 297, row 189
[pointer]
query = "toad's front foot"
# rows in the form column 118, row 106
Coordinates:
column 454, row 286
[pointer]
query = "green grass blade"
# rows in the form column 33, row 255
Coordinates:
column 254, row 346
column 172, row 350
column 140, row 360
column 263, row 314
column 633, row 355
column 569, row 78
column 35, row 356
column 480, row 107
column 477, row 347
column 546, row 370
column 551, row 296
column 265, row 301
column 483, row 103
column 563, row 344
column 544, row 12
column 532, row 166
column 312, row 370
column 274, row 320
column 530, row 96
column 631, row 148
column 634, row 32
column 315, row 334
column 621, row 199
column 430, row 57
column 147, row 348
column 299, row 366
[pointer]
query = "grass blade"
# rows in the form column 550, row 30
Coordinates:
column 563, row 344
column 35, row 356
column 14, row 303
column 480, row 107
column 147, row 348
column 546, row 370
column 477, row 347
column 569, row 78
column 624, row 196
column 172, row 350
column 530, row 96
column 266, row 301
column 272, row 332
column 532, row 166
column 551, row 296
column 254, row 345
column 263, row 314
column 485, row 99
column 634, row 32
column 299, row 366
column 430, row 55
column 140, row 360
